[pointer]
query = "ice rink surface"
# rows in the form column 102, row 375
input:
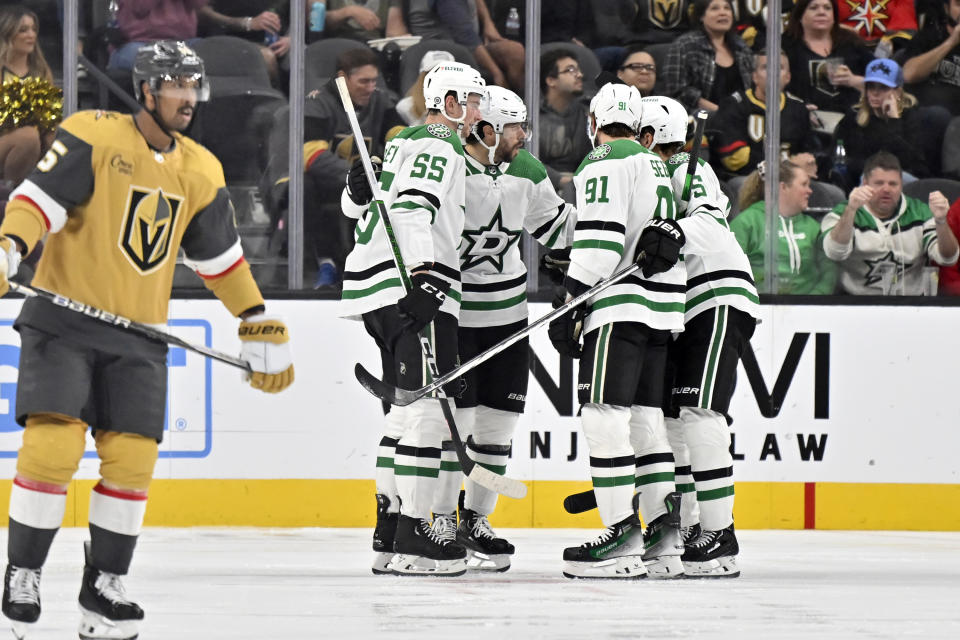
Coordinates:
column 278, row 584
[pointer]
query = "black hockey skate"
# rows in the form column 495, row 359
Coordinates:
column 421, row 551
column 21, row 598
column 616, row 553
column 107, row 614
column 485, row 551
column 445, row 526
column 689, row 534
column 713, row 555
column 663, row 543
column 383, row 535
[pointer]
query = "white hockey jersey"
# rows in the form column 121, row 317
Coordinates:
column 422, row 185
column 502, row 201
column 718, row 270
column 620, row 186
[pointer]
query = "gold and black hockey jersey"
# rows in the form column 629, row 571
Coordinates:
column 118, row 212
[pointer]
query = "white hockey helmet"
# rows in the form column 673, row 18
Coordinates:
column 445, row 77
column 667, row 117
column 501, row 108
column 615, row 103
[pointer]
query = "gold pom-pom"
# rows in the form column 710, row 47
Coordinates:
column 30, row 102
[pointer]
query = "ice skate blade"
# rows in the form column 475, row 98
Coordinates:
column 664, row 567
column 20, row 629
column 479, row 561
column 622, row 568
column 381, row 564
column 411, row 565
column 94, row 626
column 724, row 567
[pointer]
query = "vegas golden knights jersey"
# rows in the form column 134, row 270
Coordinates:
column 118, row 213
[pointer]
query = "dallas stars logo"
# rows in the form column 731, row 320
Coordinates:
column 884, row 264
column 866, row 15
column 488, row 243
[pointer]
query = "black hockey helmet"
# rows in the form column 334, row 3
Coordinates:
column 167, row 60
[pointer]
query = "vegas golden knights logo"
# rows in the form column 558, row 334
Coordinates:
column 755, row 127
column 665, row 14
column 148, row 227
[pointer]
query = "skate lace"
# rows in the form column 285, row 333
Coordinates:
column 445, row 527
column 25, row 586
column 603, row 538
column 482, row 529
column 706, row 539
column 110, row 587
column 687, row 532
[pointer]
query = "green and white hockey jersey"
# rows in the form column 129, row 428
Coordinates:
column 620, row 186
column 502, row 201
column 422, row 185
column 893, row 250
column 718, row 271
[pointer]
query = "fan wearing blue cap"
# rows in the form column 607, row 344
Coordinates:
column 889, row 119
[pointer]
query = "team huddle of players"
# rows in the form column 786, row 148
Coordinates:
column 658, row 350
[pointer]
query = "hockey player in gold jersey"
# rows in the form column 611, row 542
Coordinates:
column 119, row 196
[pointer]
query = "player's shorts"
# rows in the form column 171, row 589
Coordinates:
column 108, row 391
column 623, row 364
column 401, row 354
column 501, row 381
column 702, row 362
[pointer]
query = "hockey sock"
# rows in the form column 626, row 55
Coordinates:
column 417, row 462
column 385, row 477
column 489, row 446
column 116, row 517
column 36, row 512
column 449, row 480
column 708, row 439
column 654, row 460
column 689, row 509
column 611, row 459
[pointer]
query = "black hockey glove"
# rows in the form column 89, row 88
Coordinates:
column 659, row 246
column 421, row 304
column 555, row 264
column 358, row 188
column 565, row 330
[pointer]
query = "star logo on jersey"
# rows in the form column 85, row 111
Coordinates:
column 600, row 152
column 679, row 158
column 867, row 15
column 488, row 244
column 148, row 227
column 885, row 264
column 438, row 130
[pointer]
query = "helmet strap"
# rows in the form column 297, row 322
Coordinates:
column 491, row 150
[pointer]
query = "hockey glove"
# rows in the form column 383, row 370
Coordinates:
column 565, row 330
column 420, row 306
column 9, row 263
column 555, row 264
column 358, row 187
column 265, row 344
column 659, row 246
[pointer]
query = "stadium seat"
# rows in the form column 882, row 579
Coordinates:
column 951, row 149
column 410, row 59
column 921, row 189
column 825, row 197
column 320, row 60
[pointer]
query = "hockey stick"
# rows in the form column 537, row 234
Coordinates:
column 481, row 475
column 125, row 323
column 587, row 500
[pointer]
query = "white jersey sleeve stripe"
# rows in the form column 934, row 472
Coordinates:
column 55, row 214
column 213, row 267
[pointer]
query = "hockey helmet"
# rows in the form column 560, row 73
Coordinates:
column 615, row 103
column 502, row 108
column 168, row 60
column 667, row 117
column 460, row 78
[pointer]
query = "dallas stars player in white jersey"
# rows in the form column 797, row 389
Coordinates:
column 507, row 191
column 422, row 187
column 720, row 316
column 625, row 209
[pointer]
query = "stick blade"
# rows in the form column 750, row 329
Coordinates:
column 580, row 502
column 501, row 484
column 382, row 390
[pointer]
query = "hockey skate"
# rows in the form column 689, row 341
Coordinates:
column 663, row 543
column 106, row 613
column 420, row 551
column 383, row 535
column 21, row 598
column 485, row 551
column 616, row 554
column 445, row 526
column 689, row 534
column 713, row 555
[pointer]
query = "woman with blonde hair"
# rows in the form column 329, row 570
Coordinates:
column 802, row 267
column 20, row 59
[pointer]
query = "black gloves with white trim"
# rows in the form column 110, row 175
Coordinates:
column 420, row 306
column 659, row 247
column 358, row 187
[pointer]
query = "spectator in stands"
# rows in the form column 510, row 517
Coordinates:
column 20, row 58
column 144, row 21
column 750, row 20
column 737, row 131
column 882, row 238
column 933, row 63
column 412, row 109
column 888, row 119
column 802, row 267
column 563, row 116
column 950, row 276
column 660, row 21
column 709, row 62
column 469, row 23
column 253, row 20
column 826, row 61
column 638, row 69
column 363, row 20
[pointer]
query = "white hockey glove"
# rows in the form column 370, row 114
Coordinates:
column 265, row 344
column 9, row 263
